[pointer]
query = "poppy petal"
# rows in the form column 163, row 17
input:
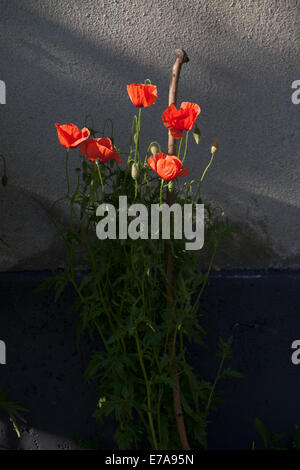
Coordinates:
column 152, row 161
column 100, row 150
column 70, row 136
column 168, row 167
column 182, row 119
column 183, row 172
column 142, row 95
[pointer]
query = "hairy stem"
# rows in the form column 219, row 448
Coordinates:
column 67, row 172
column 148, row 389
column 100, row 178
column 210, row 162
column 185, row 147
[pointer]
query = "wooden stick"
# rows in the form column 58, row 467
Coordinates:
column 181, row 58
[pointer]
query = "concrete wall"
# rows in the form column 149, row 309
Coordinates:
column 61, row 60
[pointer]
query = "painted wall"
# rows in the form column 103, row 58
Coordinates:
column 61, row 60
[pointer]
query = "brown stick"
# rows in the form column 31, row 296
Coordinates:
column 181, row 57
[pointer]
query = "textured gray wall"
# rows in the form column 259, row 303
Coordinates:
column 61, row 60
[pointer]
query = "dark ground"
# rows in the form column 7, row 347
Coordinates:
column 44, row 370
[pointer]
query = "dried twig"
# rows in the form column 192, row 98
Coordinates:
column 181, row 58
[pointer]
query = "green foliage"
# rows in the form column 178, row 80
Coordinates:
column 122, row 289
column 262, row 431
column 13, row 410
column 296, row 438
column 274, row 441
column 86, row 444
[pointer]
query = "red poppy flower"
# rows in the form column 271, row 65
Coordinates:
column 142, row 95
column 70, row 136
column 100, row 150
column 180, row 120
column 168, row 167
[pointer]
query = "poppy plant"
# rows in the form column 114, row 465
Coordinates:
column 100, row 150
column 142, row 95
column 168, row 167
column 70, row 136
column 143, row 258
column 182, row 119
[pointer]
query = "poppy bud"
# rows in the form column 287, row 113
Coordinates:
column 170, row 186
column 4, row 180
column 153, row 149
column 197, row 134
column 135, row 171
column 215, row 146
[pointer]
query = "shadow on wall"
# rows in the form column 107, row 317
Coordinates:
column 45, row 368
column 256, row 243
column 59, row 73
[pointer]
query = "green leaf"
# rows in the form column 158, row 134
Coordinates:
column 262, row 431
column 165, row 380
column 225, row 347
column 232, row 373
column 296, row 438
column 13, row 410
column 277, row 437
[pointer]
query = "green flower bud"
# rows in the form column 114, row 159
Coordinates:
column 170, row 186
column 154, row 149
column 197, row 134
column 135, row 172
column 4, row 180
column 215, row 146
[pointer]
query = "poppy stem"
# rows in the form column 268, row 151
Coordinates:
column 210, row 162
column 137, row 139
column 135, row 190
column 112, row 128
column 181, row 58
column 134, row 124
column 148, row 388
column 67, row 172
column 160, row 192
column 180, row 144
column 185, row 147
column 100, row 178
column 87, row 117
